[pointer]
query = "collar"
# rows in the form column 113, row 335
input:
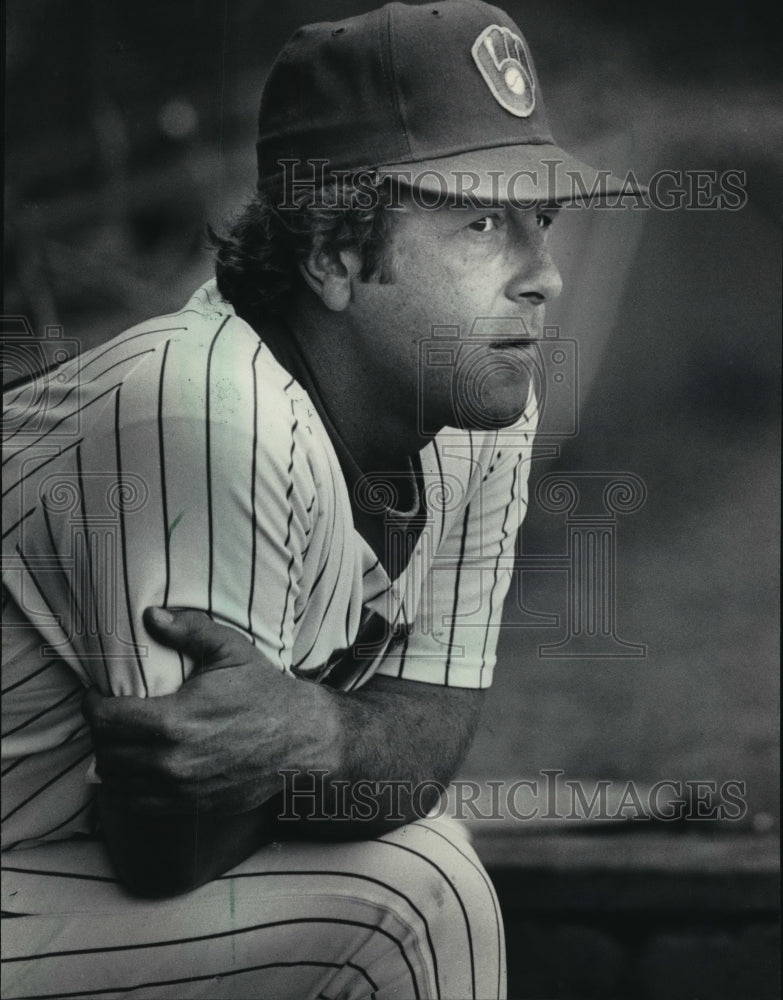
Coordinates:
column 388, row 509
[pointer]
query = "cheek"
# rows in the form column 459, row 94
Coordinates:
column 436, row 287
column 430, row 277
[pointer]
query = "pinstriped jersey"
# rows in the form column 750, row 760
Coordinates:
column 182, row 465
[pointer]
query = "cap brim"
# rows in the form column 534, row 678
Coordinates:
column 520, row 175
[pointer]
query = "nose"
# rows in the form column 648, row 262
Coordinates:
column 536, row 278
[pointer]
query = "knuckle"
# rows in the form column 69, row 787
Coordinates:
column 199, row 623
column 222, row 645
column 171, row 765
column 170, row 727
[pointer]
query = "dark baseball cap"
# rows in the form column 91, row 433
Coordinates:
column 443, row 96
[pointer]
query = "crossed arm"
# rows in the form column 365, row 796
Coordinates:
column 191, row 781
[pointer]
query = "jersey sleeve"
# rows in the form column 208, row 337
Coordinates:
column 227, row 524
column 449, row 623
column 188, row 486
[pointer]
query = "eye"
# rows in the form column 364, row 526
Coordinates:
column 544, row 219
column 487, row 224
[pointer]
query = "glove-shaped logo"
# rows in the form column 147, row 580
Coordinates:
column 500, row 56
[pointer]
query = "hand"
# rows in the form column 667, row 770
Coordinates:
column 219, row 742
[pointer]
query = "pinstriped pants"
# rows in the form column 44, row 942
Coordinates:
column 409, row 915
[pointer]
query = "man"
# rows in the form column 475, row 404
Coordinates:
column 323, row 456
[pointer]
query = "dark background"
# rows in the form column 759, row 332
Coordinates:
column 129, row 126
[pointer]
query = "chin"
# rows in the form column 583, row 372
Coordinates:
column 494, row 411
column 489, row 422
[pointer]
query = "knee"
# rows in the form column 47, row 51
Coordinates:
column 448, row 876
column 436, row 875
column 451, row 888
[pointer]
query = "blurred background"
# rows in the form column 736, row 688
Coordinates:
column 130, row 126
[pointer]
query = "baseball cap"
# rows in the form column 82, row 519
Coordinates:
column 442, row 95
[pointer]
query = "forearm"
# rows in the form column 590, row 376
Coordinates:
column 192, row 781
column 158, row 856
column 355, row 765
column 385, row 752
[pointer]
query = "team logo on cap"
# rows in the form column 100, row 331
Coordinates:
column 501, row 58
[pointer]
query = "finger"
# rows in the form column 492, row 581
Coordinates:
column 145, row 800
column 120, row 766
column 154, row 794
column 130, row 770
column 127, row 718
column 194, row 633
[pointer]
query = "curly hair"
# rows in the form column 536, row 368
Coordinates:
column 258, row 259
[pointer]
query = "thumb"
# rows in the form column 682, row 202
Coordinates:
column 193, row 633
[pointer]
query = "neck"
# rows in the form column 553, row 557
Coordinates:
column 379, row 432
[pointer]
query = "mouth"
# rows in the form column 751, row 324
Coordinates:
column 507, row 345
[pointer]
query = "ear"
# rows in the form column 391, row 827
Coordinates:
column 330, row 276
